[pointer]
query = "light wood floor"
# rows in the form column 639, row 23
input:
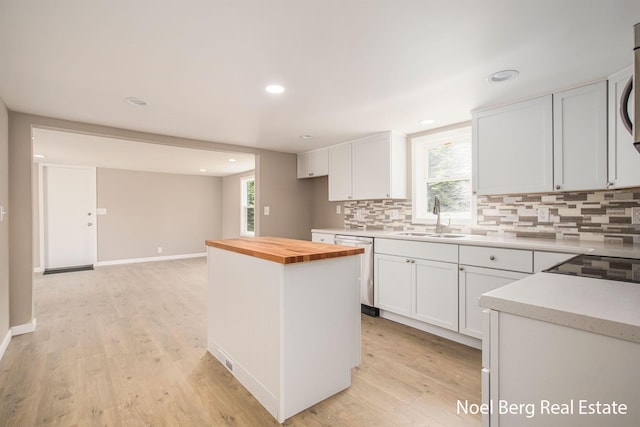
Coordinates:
column 126, row 345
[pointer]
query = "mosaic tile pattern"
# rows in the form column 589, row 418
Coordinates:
column 593, row 216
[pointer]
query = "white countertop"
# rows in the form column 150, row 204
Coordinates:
column 565, row 246
column 601, row 306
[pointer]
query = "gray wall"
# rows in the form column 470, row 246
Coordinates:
column 147, row 210
column 231, row 204
column 20, row 223
column 288, row 198
column 276, row 184
column 4, row 225
column 323, row 212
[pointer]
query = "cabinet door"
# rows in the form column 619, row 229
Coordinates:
column 340, row 173
column 623, row 157
column 372, row 167
column 473, row 282
column 393, row 284
column 313, row 163
column 437, row 293
column 580, row 138
column 513, row 148
column 379, row 167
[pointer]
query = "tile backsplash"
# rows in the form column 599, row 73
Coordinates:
column 591, row 215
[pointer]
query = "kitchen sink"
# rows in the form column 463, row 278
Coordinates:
column 447, row 235
column 430, row 235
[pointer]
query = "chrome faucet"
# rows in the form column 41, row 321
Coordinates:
column 436, row 211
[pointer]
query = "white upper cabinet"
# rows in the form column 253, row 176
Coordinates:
column 369, row 168
column 513, row 148
column 340, row 187
column 580, row 138
column 624, row 160
column 313, row 163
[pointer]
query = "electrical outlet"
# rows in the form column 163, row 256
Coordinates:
column 360, row 214
column 394, row 214
column 338, row 209
column 266, row 211
column 635, row 215
column 543, row 214
column 159, row 249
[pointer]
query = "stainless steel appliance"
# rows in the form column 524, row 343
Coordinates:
column 366, row 270
column 625, row 103
column 600, row 267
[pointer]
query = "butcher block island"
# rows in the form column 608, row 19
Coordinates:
column 284, row 318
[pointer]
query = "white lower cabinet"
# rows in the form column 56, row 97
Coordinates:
column 473, row 282
column 394, row 282
column 414, row 287
column 560, row 376
column 437, row 293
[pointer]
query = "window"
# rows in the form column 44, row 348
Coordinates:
column 248, row 185
column 442, row 168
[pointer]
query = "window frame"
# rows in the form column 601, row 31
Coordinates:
column 244, row 206
column 419, row 180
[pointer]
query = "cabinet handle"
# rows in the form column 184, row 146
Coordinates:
column 310, row 173
column 492, row 258
column 558, row 187
column 609, row 184
column 461, row 268
column 350, row 197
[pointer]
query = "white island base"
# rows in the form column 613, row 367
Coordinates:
column 289, row 333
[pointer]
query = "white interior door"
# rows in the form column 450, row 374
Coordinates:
column 69, row 211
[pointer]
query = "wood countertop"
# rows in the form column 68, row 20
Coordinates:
column 284, row 251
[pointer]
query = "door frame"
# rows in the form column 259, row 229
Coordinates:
column 41, row 212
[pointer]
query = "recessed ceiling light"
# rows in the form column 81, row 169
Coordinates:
column 203, row 170
column 306, row 136
column 136, row 101
column 232, row 160
column 274, row 89
column 427, row 122
column 503, row 76
column 39, row 156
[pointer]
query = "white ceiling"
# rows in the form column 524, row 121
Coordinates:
column 350, row 68
column 88, row 150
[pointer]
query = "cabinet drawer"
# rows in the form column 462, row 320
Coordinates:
column 544, row 260
column 323, row 238
column 424, row 250
column 503, row 259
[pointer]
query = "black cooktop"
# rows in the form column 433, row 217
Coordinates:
column 600, row 267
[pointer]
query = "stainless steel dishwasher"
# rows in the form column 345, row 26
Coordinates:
column 366, row 270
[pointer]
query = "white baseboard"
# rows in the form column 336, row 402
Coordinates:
column 24, row 329
column 150, row 259
column 5, row 343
